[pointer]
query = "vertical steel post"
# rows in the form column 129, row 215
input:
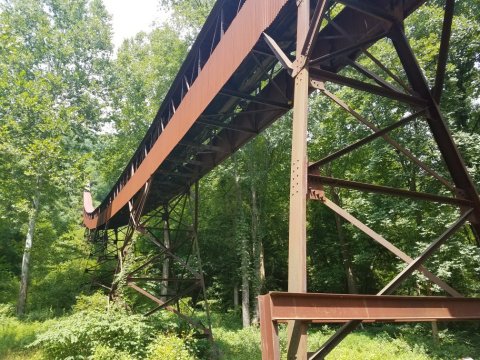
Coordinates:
column 166, row 260
column 269, row 330
column 297, row 243
column 443, row 53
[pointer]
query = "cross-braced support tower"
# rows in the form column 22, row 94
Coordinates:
column 360, row 24
column 158, row 256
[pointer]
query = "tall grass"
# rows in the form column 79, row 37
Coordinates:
column 97, row 335
column 244, row 344
column 15, row 335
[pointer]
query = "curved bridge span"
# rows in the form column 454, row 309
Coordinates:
column 229, row 89
column 253, row 61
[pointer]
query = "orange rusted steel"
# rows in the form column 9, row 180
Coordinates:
column 334, row 307
column 88, row 202
column 229, row 65
column 278, row 307
column 240, row 38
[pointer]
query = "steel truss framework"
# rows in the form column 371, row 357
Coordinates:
column 167, row 270
column 299, row 308
column 234, row 84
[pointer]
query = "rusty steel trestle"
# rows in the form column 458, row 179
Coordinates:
column 170, row 274
column 230, row 89
column 299, row 308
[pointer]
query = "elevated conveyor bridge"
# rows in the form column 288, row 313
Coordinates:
column 252, row 62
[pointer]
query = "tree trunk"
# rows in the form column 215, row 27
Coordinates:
column 261, row 266
column 245, row 300
column 235, row 296
column 259, row 277
column 242, row 240
column 347, row 260
column 22, row 299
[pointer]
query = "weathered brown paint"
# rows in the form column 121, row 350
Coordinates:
column 374, row 21
column 240, row 38
column 297, row 232
column 309, row 307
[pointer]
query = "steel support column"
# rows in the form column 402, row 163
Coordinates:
column 173, row 272
column 166, row 260
column 438, row 127
column 297, row 243
column 466, row 195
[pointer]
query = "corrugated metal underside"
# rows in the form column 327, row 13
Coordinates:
column 229, row 89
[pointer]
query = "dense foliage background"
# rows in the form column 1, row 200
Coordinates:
column 71, row 110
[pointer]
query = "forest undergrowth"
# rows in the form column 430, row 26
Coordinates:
column 73, row 110
column 90, row 332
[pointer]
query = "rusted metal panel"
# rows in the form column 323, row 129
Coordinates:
column 317, row 308
column 88, row 202
column 327, row 307
column 350, row 20
column 268, row 329
column 240, row 38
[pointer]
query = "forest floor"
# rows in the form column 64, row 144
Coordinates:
column 68, row 336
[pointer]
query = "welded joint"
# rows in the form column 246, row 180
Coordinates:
column 298, row 65
column 317, row 194
column 316, row 84
column 293, row 68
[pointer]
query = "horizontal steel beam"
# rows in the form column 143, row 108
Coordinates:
column 348, row 49
column 200, row 147
column 204, row 121
column 323, row 75
column 317, row 181
column 255, row 99
column 311, row 306
column 366, row 140
column 278, row 307
column 183, row 161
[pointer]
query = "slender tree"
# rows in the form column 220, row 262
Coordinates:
column 57, row 53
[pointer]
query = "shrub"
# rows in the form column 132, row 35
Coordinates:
column 103, row 352
column 168, row 347
column 241, row 344
column 58, row 288
column 9, row 287
column 365, row 345
column 78, row 336
column 95, row 302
